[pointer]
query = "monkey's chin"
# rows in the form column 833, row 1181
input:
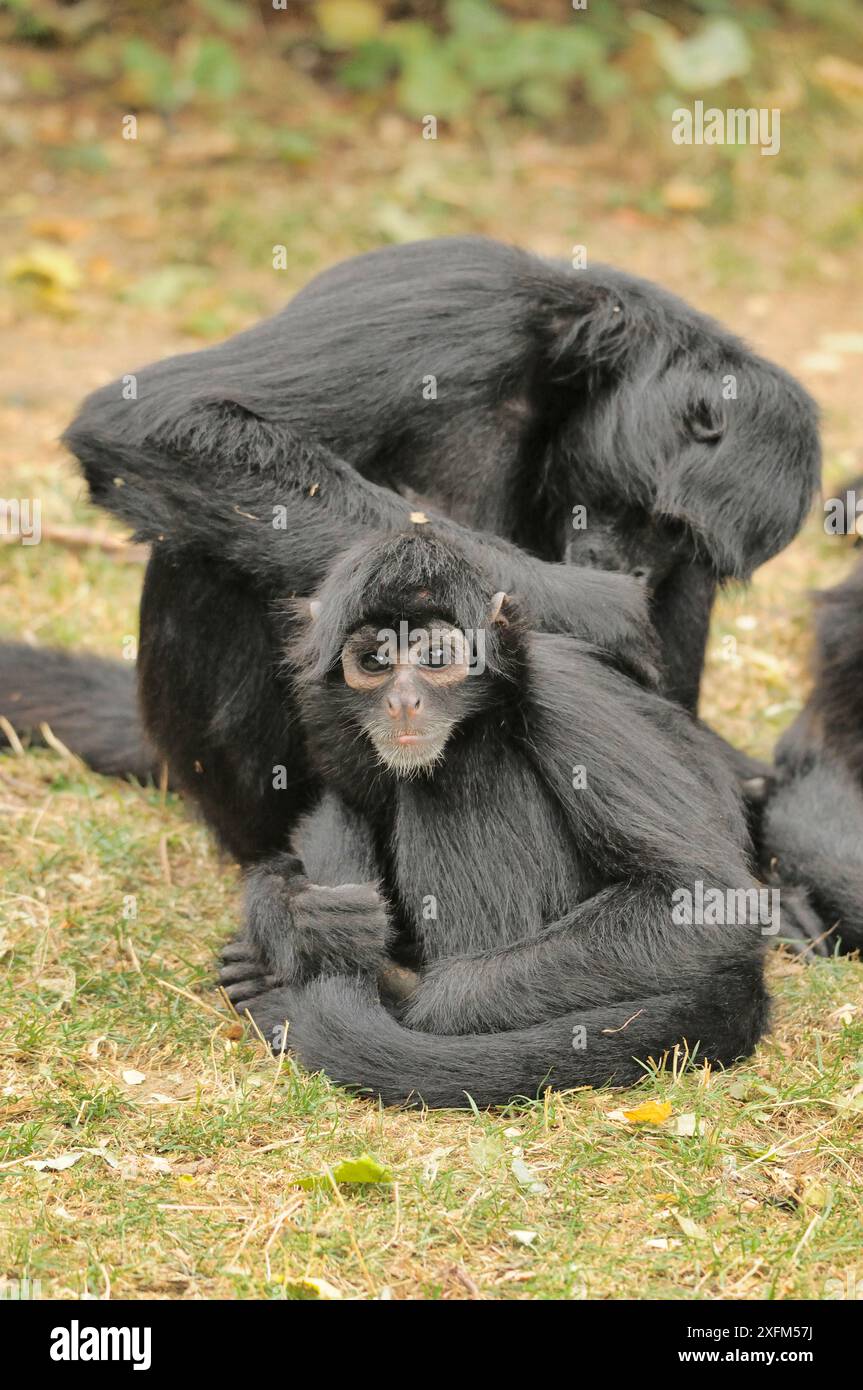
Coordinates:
column 408, row 760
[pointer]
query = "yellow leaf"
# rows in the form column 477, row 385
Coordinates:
column 349, row 22
column 682, row 196
column 364, row 1169
column 312, row 1289
column 47, row 266
column 652, row 1112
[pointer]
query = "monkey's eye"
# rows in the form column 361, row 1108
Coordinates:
column 436, row 656
column 373, row 662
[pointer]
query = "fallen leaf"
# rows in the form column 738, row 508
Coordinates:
column 651, row 1112
column 526, row 1177
column 690, row 1228
column 347, row 23
column 679, row 195
column 312, row 1289
column 46, row 266
column 55, row 1165
column 689, row 1125
column 523, row 1237
column 133, row 1078
column 364, row 1169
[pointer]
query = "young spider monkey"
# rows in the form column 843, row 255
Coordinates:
column 487, row 904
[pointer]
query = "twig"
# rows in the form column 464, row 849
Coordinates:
column 187, row 994
column 85, row 538
column 59, row 746
column 165, row 861
column 14, row 741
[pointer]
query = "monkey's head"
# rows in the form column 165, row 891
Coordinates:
column 679, row 445
column 405, row 642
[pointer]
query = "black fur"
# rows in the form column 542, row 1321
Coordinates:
column 553, row 903
column 554, row 388
column 90, row 704
column 813, row 823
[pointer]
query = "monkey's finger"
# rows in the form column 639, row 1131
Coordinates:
column 245, row 992
column 398, row 983
column 241, row 949
column 240, row 970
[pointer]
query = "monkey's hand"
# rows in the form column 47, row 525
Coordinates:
column 296, row 930
column 397, row 985
column 608, row 610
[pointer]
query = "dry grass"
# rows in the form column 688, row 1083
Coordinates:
column 184, row 1186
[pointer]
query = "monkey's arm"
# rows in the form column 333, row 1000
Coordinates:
column 321, row 915
column 245, row 490
column 655, row 811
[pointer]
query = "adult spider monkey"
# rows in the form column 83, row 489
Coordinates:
column 812, row 830
column 495, row 854
column 461, row 375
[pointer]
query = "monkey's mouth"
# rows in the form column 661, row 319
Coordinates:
column 406, row 754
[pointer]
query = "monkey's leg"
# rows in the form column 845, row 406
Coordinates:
column 218, row 704
column 323, row 914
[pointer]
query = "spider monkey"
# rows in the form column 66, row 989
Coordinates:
column 550, row 414
column 813, row 822
column 491, row 869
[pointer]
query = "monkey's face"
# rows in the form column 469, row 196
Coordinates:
column 623, row 539
column 411, row 690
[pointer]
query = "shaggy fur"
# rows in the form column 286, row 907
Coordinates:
column 552, row 901
column 460, row 376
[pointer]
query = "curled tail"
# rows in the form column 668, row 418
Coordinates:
column 90, row 705
column 337, row 1025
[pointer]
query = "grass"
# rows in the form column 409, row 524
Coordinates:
column 191, row 1137
column 113, row 906
column 114, row 1047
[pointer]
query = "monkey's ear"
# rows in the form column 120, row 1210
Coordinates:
column 314, row 609
column 593, row 334
column 497, row 613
